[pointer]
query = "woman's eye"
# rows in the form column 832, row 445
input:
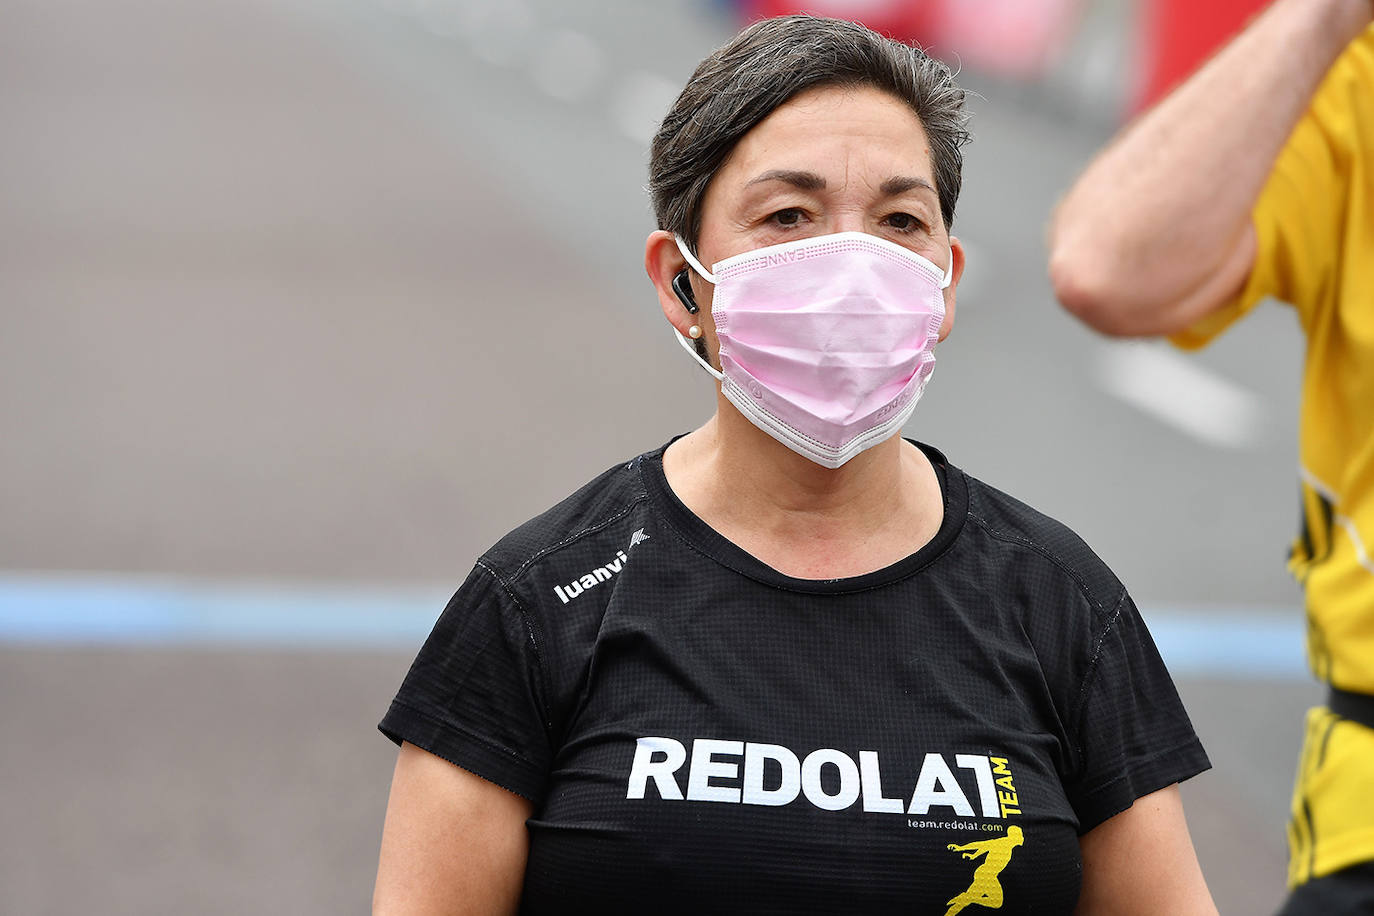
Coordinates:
column 789, row 217
column 903, row 222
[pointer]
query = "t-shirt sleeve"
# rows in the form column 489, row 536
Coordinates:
column 473, row 695
column 1299, row 215
column 1133, row 735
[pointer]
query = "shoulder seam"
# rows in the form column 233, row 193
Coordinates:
column 1090, row 676
column 545, row 551
column 531, row 632
column 1109, row 621
column 1047, row 554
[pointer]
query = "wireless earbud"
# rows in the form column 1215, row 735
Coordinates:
column 683, row 288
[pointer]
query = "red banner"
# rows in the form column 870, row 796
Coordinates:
column 1015, row 38
column 1177, row 37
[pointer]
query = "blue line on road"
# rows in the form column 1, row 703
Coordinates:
column 1231, row 642
column 78, row 610
column 36, row 610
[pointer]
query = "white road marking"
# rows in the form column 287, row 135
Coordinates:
column 1178, row 391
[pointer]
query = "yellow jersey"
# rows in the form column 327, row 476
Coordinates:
column 1314, row 223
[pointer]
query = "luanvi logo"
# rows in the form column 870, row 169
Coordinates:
column 594, row 578
column 601, row 574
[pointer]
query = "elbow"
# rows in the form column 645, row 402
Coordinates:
column 1092, row 294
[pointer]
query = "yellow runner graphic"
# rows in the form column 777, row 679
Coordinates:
column 986, row 890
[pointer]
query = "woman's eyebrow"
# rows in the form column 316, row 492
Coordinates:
column 810, row 181
column 900, row 184
column 807, row 181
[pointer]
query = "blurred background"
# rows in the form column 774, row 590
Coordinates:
column 304, row 303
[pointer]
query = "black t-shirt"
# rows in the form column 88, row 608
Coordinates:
column 700, row 733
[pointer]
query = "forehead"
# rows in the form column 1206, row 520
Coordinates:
column 860, row 126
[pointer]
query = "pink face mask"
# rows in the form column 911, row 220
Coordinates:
column 826, row 343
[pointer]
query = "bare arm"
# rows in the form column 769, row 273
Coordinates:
column 1156, row 232
column 452, row 843
column 1142, row 862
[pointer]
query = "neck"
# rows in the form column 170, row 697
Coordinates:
column 800, row 517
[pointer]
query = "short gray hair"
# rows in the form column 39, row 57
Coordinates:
column 744, row 81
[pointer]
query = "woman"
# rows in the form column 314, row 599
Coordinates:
column 792, row 662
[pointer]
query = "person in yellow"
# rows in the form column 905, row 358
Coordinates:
column 1255, row 179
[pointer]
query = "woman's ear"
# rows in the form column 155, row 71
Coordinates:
column 956, row 263
column 663, row 262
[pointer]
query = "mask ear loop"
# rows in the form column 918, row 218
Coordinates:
column 687, row 345
column 691, row 259
column 949, row 274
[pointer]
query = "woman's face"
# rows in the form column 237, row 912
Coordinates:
column 829, row 160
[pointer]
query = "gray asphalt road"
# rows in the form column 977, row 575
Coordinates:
column 341, row 292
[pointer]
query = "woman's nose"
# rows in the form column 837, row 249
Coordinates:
column 848, row 221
